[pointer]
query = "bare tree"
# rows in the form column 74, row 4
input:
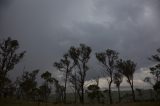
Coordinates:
column 108, row 61
column 127, row 68
column 65, row 65
column 81, row 56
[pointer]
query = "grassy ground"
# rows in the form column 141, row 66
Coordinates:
column 145, row 97
column 34, row 104
column 22, row 103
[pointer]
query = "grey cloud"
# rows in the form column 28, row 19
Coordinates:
column 46, row 29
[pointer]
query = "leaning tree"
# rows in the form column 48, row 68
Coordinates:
column 127, row 68
column 108, row 61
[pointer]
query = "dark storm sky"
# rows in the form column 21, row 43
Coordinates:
column 47, row 28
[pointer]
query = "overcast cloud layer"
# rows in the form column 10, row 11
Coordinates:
column 47, row 28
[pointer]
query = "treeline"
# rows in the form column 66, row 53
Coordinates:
column 74, row 66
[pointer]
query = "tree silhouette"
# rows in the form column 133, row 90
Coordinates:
column 157, row 87
column 65, row 65
column 118, row 78
column 8, row 59
column 75, row 86
column 59, row 91
column 108, row 61
column 94, row 92
column 28, row 84
column 45, row 88
column 155, row 71
column 81, row 56
column 127, row 68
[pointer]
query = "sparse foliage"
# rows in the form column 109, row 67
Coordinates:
column 118, row 78
column 94, row 92
column 9, row 57
column 108, row 61
column 65, row 65
column 155, row 71
column 127, row 68
column 81, row 56
column 28, row 84
column 45, row 88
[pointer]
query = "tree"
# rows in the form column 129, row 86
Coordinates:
column 81, row 56
column 94, row 92
column 108, row 61
column 59, row 91
column 28, row 84
column 65, row 65
column 127, row 68
column 73, row 81
column 118, row 78
column 157, row 88
column 45, row 88
column 155, row 71
column 9, row 57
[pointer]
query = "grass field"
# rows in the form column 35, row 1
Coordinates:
column 51, row 104
column 144, row 100
column 12, row 102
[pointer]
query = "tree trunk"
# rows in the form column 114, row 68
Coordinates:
column 110, row 93
column 75, row 87
column 65, row 86
column 119, row 95
column 133, row 94
column 82, row 94
column 75, row 96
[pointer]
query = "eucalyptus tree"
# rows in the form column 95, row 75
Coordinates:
column 59, row 91
column 155, row 71
column 94, row 92
column 127, row 68
column 65, row 65
column 108, row 60
column 45, row 88
column 9, row 57
column 118, row 78
column 74, row 82
column 28, row 84
column 80, row 56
